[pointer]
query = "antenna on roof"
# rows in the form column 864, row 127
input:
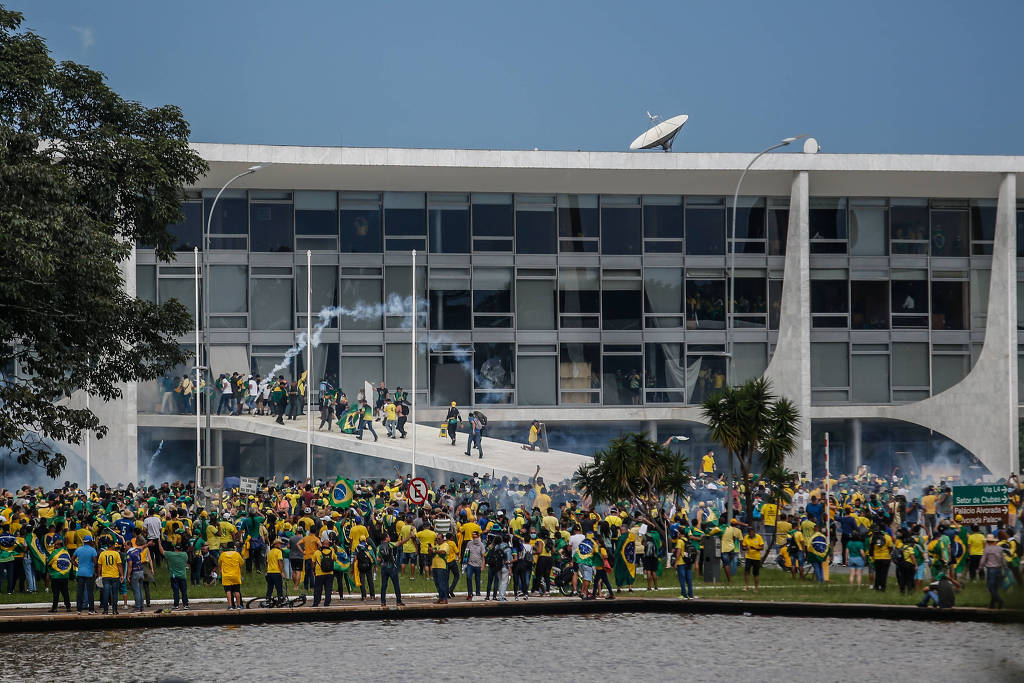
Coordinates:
column 660, row 134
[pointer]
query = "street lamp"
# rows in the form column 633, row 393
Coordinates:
column 206, row 303
column 730, row 299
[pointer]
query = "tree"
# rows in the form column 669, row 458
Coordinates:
column 84, row 175
column 751, row 422
column 635, row 469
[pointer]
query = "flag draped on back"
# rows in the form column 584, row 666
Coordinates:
column 625, row 559
column 35, row 549
column 342, row 494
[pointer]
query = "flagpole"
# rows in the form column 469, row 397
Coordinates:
column 195, row 390
column 412, row 403
column 88, row 452
column 309, row 364
column 828, row 513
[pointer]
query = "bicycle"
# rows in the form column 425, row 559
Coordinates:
column 275, row 601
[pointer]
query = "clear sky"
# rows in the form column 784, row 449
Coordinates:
column 928, row 76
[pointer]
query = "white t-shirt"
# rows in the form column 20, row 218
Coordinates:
column 253, row 388
column 225, row 386
column 575, row 540
column 152, row 525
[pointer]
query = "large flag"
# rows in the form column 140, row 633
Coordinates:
column 349, row 422
column 625, row 559
column 342, row 494
column 35, row 549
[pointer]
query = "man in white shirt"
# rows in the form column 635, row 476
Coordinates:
column 153, row 525
column 254, row 391
column 225, row 395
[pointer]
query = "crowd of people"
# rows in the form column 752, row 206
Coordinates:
column 530, row 537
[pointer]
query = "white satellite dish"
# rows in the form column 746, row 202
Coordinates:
column 660, row 135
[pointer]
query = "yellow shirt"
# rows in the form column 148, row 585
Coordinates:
column 309, row 546
column 274, row 556
column 783, row 528
column 976, row 544
column 405, row 536
column 357, row 534
column 928, row 503
column 542, row 500
column 707, row 464
column 516, row 523
column 227, row 532
column 110, row 564
column 753, row 545
column 551, row 524
column 730, row 537
column 769, row 511
column 230, row 568
column 882, row 552
column 534, row 433
column 213, row 536
column 613, row 520
column 317, row 557
column 426, row 538
column 466, row 531
column 390, row 412
column 440, row 561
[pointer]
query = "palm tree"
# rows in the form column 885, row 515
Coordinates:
column 750, row 421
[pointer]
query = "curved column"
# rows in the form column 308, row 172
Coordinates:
column 790, row 365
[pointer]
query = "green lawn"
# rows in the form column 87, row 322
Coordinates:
column 775, row 586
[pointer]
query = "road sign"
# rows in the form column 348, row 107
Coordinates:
column 247, row 484
column 981, row 504
column 416, row 491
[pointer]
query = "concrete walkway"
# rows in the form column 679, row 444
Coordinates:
column 502, row 458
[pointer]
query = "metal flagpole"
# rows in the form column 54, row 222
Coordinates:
column 195, row 390
column 88, row 452
column 309, row 363
column 412, row 403
column 828, row 514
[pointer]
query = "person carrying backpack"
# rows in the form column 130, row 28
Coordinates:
column 365, row 560
column 477, row 423
column 323, row 572
column 881, row 555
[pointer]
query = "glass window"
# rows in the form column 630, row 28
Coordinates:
column 981, row 280
column 145, row 283
column 666, row 371
column 492, row 297
column 947, row 370
column 621, row 225
column 579, row 293
column 538, row 381
column 449, row 309
column 356, row 370
column 705, row 376
column 273, row 303
column 751, row 295
column 449, row 224
column 827, row 225
column 750, row 224
column 405, row 221
column 909, row 226
column 361, row 301
column 188, row 234
column 1020, row 232
column 271, row 226
column 749, row 361
column 868, row 219
column 231, row 217
column 578, row 225
column 869, row 305
column 229, row 289
column 663, row 295
column 949, row 306
column 623, row 380
column 451, row 377
column 774, row 303
column 535, row 304
column 494, row 372
column 705, row 304
column 663, row 220
column 778, row 226
column 705, row 226
column 622, row 304
column 870, row 375
column 360, row 223
column 316, row 220
column 909, row 298
column 829, row 297
column 398, row 366
column 579, row 373
column 493, row 222
column 535, row 224
column 983, row 225
column 182, row 289
column 398, row 283
column 324, row 292
column 949, row 232
column 910, row 364
column 830, row 365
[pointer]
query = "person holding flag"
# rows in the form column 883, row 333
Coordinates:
column 625, row 560
column 58, row 566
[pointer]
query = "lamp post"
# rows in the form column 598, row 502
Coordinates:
column 730, row 298
column 206, row 300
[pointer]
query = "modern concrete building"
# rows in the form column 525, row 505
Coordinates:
column 588, row 289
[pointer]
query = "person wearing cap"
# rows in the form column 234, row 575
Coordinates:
column 177, row 568
column 453, row 419
column 993, row 563
column 85, row 570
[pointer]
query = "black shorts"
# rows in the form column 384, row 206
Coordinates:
column 233, row 588
column 650, row 563
column 296, row 564
column 752, row 566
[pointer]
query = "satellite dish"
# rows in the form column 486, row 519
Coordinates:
column 660, row 135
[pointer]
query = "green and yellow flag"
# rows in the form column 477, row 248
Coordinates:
column 625, row 559
column 342, row 494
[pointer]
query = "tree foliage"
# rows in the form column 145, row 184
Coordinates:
column 752, row 423
column 84, row 175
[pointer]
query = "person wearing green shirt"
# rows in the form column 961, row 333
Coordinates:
column 278, row 396
column 177, row 566
column 366, row 420
column 858, row 559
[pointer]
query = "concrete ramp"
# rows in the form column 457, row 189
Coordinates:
column 502, row 458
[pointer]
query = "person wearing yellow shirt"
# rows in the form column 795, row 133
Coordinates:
column 782, row 528
column 426, row 538
column 407, row 539
column 753, row 545
column 323, row 570
column 230, row 566
column 707, row 463
column 111, row 571
column 227, row 532
column 309, row 544
column 769, row 516
column 928, row 502
column 975, row 549
column 881, row 555
column 439, row 570
column 731, row 539
column 275, row 568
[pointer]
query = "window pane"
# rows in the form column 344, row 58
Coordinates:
column 778, row 231
column 748, row 361
column 869, row 305
column 451, row 379
column 360, row 230
column 750, row 219
column 577, row 215
column 449, row 230
column 705, row 304
column 579, row 290
column 229, row 289
column 751, row 295
column 909, row 297
column 910, row 364
column 404, row 214
column 362, row 299
column 398, row 283
column 827, row 217
column 579, row 372
column 493, row 366
column 947, row 371
column 870, row 379
column 830, row 365
column 705, row 228
column 355, row 370
column 271, row 227
column 449, row 309
column 621, row 229
column 909, row 220
column 949, row 233
column 663, row 219
column 145, row 283
column 324, row 290
column 316, row 213
column 492, row 290
column 981, row 280
column 398, row 362
column 273, row 304
column 867, row 231
column 663, row 290
column 774, row 303
column 535, row 304
column 182, row 289
column 623, row 380
column 622, row 304
column 666, row 369
column 705, row 376
column 949, row 306
column 492, row 215
column 829, row 296
column 535, row 230
column 231, row 216
column 538, row 381
column 188, row 233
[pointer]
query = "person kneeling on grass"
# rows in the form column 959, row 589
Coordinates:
column 230, row 569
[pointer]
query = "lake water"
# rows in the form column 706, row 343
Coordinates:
column 610, row 647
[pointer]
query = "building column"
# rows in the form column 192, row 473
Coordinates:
column 790, row 365
column 855, row 435
column 651, row 427
column 218, row 448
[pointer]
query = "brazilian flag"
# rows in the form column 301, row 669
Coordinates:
column 342, row 561
column 957, row 553
column 625, row 559
column 349, row 422
column 59, row 563
column 36, row 551
column 659, row 549
column 585, row 551
column 342, row 494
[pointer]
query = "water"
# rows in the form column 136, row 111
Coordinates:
column 611, row 647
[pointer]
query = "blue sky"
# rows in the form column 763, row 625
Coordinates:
column 930, row 76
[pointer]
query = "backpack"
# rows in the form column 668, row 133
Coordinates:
column 386, row 553
column 690, row 555
column 482, row 419
column 907, row 557
column 363, row 558
column 327, row 561
column 495, row 557
column 878, row 539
